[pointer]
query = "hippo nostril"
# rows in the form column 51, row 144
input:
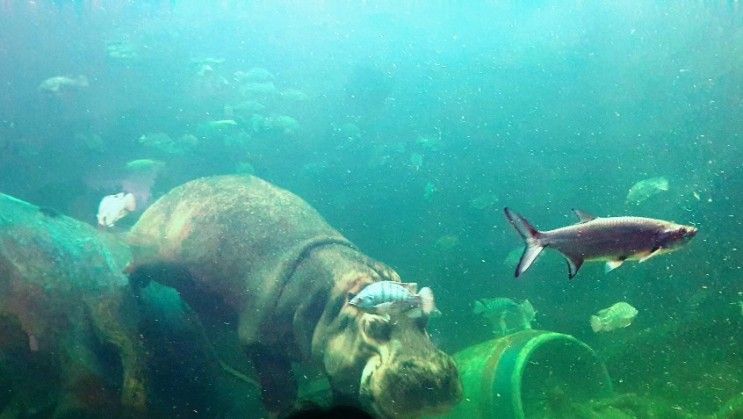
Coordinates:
column 406, row 365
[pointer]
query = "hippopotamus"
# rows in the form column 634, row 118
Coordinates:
column 66, row 311
column 257, row 258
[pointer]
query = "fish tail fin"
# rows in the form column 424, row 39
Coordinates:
column 596, row 324
column 130, row 202
column 527, row 308
column 480, row 308
column 531, row 238
column 428, row 305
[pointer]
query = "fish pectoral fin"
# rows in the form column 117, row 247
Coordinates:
column 583, row 217
column 613, row 264
column 652, row 253
column 574, row 263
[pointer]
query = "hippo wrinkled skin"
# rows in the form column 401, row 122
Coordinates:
column 248, row 254
column 66, row 314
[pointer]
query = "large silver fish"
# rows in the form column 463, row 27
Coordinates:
column 611, row 239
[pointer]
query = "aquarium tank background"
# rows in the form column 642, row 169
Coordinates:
column 410, row 126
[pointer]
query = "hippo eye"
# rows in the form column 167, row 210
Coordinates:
column 349, row 296
column 377, row 329
column 422, row 323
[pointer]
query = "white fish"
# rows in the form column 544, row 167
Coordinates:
column 115, row 207
column 617, row 316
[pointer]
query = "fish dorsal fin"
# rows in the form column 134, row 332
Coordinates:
column 583, row 217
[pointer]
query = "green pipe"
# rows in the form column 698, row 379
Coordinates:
column 493, row 372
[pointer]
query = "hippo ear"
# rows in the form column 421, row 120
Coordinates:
column 375, row 329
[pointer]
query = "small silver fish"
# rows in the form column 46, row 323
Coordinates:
column 611, row 239
column 617, row 316
column 387, row 297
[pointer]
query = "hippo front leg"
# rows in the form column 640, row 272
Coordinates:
column 115, row 321
column 278, row 384
column 83, row 388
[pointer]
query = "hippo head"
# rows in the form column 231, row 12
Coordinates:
column 388, row 363
column 406, row 375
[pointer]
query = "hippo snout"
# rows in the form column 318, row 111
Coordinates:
column 415, row 385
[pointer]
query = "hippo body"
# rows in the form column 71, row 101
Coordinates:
column 259, row 259
column 65, row 308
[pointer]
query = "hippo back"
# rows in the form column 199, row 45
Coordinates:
column 47, row 259
column 237, row 237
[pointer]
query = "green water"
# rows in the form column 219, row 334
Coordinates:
column 409, row 126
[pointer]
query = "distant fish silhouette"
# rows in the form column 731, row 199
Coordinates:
column 58, row 84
